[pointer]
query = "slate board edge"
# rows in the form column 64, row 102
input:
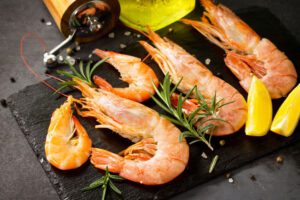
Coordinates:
column 19, row 121
column 56, row 186
column 23, row 129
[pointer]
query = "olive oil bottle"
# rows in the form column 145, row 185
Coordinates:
column 156, row 14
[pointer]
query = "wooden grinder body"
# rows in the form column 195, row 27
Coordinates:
column 61, row 11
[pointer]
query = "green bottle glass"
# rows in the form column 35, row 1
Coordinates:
column 156, row 14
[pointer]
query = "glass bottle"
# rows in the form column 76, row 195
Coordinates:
column 156, row 14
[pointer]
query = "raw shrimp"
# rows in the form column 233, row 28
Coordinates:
column 137, row 74
column 157, row 157
column 174, row 60
column 68, row 145
column 247, row 53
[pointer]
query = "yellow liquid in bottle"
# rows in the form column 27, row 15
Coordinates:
column 156, row 14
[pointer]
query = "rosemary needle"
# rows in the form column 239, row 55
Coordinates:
column 213, row 164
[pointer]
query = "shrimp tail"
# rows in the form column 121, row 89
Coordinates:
column 78, row 126
column 102, row 83
column 143, row 150
column 188, row 105
column 103, row 159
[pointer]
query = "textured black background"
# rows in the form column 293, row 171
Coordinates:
column 23, row 178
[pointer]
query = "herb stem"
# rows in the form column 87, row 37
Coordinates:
column 208, row 112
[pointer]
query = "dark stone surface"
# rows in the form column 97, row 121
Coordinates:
column 22, row 177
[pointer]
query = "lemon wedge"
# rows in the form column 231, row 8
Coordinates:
column 259, row 109
column 287, row 117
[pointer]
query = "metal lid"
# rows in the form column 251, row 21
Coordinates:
column 91, row 19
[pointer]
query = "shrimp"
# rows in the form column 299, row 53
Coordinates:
column 68, row 145
column 247, row 53
column 137, row 74
column 157, row 157
column 174, row 60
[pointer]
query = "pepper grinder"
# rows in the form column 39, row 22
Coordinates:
column 81, row 20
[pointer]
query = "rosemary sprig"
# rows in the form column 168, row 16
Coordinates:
column 83, row 74
column 208, row 112
column 104, row 182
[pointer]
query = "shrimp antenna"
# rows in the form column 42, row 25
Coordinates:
column 25, row 62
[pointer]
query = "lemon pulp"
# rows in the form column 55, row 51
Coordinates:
column 259, row 103
column 287, row 117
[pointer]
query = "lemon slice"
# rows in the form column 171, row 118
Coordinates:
column 287, row 117
column 259, row 109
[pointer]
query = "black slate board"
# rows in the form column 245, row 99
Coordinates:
column 33, row 106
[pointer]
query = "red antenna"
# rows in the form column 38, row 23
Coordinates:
column 25, row 62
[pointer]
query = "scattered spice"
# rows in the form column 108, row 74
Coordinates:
column 43, row 20
column 219, row 75
column 122, row 46
column 49, row 23
column 70, row 60
column 111, row 35
column 3, row 103
column 213, row 164
column 69, row 51
column 253, row 178
column 228, row 175
column 207, row 61
column 127, row 33
column 230, row 180
column 203, row 155
column 279, row 159
column 77, row 48
column 222, row 142
column 12, row 79
column 60, row 59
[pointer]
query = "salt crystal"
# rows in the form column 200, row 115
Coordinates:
column 49, row 23
column 203, row 155
column 77, row 48
column 127, row 33
column 122, row 46
column 207, row 61
column 111, row 35
column 230, row 180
